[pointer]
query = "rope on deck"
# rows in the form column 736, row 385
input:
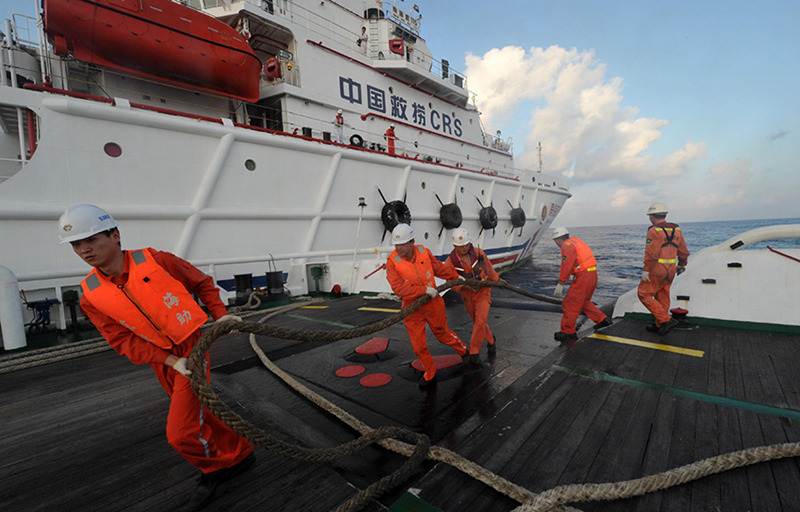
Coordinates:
column 556, row 496
column 417, row 446
column 39, row 357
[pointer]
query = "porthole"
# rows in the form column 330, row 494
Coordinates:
column 422, row 185
column 250, row 165
column 112, row 149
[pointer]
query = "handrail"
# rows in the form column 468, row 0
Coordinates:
column 217, row 120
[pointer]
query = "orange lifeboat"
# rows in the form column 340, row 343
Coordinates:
column 158, row 39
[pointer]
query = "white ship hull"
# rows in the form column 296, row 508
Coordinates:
column 235, row 199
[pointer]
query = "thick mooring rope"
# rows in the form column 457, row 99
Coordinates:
column 417, row 446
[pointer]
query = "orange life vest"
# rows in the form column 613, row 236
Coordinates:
column 585, row 259
column 418, row 271
column 152, row 304
column 476, row 270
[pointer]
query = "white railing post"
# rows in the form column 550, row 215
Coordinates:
column 13, row 328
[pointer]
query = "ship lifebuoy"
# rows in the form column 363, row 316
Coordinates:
column 272, row 69
column 488, row 217
column 450, row 215
column 517, row 217
column 394, row 213
column 356, row 140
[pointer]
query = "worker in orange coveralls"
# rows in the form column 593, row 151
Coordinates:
column 664, row 256
column 472, row 263
column 141, row 302
column 410, row 270
column 390, row 138
column 576, row 259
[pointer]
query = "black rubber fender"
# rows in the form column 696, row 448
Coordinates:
column 517, row 217
column 450, row 215
column 488, row 217
column 356, row 140
column 394, row 213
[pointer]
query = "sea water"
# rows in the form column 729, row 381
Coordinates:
column 619, row 251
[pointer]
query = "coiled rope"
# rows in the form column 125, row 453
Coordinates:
column 417, row 446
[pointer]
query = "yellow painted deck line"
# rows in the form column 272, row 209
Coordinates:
column 382, row 310
column 314, row 307
column 647, row 344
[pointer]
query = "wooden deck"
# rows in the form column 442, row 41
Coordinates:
column 88, row 434
column 608, row 411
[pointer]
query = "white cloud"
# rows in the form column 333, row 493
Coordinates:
column 732, row 174
column 576, row 113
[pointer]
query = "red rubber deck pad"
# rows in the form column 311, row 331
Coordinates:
column 373, row 346
column 350, row 371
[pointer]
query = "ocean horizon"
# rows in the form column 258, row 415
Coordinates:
column 619, row 251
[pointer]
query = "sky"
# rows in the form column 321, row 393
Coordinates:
column 693, row 103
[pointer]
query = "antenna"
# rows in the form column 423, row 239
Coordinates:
column 540, row 156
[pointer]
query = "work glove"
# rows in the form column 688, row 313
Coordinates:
column 180, row 367
column 226, row 318
column 681, row 269
column 431, row 291
column 559, row 291
column 646, row 276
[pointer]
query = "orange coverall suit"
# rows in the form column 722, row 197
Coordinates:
column 475, row 265
column 577, row 259
column 390, row 138
column 408, row 280
column 665, row 247
column 195, row 433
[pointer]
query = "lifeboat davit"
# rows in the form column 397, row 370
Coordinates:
column 158, row 39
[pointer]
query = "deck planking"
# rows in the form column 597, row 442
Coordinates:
column 97, row 422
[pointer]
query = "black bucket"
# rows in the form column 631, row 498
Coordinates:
column 275, row 283
column 243, row 284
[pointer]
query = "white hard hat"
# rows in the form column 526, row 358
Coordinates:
column 339, row 111
column 559, row 232
column 402, row 233
column 657, row 209
column 460, row 237
column 82, row 221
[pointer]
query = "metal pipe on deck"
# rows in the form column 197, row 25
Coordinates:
column 11, row 323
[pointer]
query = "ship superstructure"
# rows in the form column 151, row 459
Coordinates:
column 210, row 130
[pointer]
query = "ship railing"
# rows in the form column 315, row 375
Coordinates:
column 53, row 283
column 25, row 29
column 496, row 142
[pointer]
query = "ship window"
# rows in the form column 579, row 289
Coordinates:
column 250, row 165
column 422, row 185
column 112, row 149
